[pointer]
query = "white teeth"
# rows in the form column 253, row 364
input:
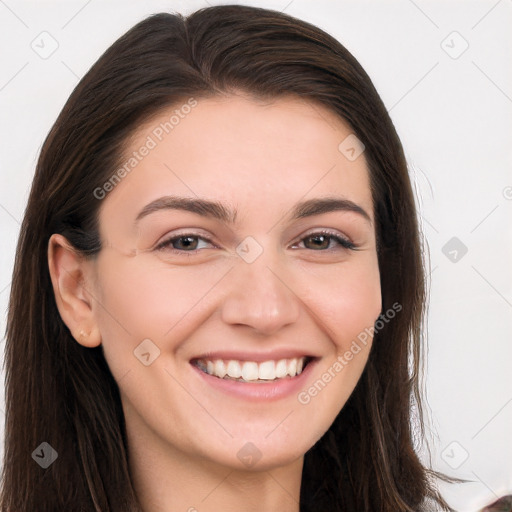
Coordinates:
column 219, row 369
column 251, row 371
column 281, row 368
column 266, row 371
column 292, row 368
column 234, row 369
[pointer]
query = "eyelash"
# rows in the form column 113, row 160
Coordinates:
column 344, row 243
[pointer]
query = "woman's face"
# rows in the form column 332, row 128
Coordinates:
column 241, row 239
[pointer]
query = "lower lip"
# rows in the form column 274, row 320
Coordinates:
column 265, row 391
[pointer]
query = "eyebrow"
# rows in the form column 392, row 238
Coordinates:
column 327, row 205
column 202, row 207
column 217, row 210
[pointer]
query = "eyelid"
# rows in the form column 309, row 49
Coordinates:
column 325, row 231
column 166, row 240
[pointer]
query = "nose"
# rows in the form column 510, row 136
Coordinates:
column 260, row 297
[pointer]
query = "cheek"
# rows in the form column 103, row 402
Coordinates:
column 140, row 299
column 345, row 299
column 346, row 302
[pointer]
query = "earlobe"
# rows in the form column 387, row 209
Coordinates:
column 88, row 339
column 74, row 302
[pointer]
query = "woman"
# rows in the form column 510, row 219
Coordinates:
column 218, row 291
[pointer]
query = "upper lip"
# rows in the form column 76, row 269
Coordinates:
column 238, row 355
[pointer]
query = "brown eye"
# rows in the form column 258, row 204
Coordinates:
column 185, row 243
column 317, row 242
column 326, row 241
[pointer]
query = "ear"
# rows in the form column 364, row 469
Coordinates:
column 68, row 274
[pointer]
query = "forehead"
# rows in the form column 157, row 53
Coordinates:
column 242, row 151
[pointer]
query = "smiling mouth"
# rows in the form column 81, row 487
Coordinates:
column 252, row 371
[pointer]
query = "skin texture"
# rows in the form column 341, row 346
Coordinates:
column 260, row 158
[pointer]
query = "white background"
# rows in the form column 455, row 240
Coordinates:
column 453, row 113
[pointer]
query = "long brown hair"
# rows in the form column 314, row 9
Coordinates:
column 59, row 392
